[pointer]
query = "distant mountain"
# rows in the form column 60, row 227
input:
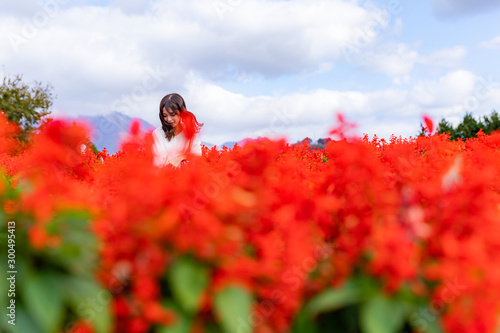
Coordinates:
column 320, row 143
column 229, row 144
column 108, row 130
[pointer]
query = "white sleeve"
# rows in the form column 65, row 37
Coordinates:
column 160, row 157
column 196, row 146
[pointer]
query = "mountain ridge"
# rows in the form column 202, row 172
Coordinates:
column 108, row 130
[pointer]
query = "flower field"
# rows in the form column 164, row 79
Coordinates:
column 366, row 235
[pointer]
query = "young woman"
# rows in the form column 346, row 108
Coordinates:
column 177, row 137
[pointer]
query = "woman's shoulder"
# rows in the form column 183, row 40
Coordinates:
column 158, row 133
column 196, row 138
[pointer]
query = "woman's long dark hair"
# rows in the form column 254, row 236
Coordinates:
column 175, row 103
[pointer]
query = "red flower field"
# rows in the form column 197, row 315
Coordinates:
column 366, row 235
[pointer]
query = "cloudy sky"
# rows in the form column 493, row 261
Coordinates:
column 251, row 68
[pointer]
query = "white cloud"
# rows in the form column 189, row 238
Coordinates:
column 449, row 90
column 398, row 60
column 131, row 6
column 392, row 60
column 94, row 56
column 449, row 57
column 492, row 43
column 268, row 38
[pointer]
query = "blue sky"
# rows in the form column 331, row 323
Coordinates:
column 251, row 68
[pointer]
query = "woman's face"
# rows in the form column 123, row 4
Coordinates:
column 171, row 117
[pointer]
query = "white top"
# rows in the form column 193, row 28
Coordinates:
column 165, row 151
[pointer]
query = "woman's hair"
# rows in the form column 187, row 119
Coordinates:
column 175, row 103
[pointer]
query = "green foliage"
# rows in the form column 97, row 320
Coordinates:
column 332, row 299
column 446, row 127
column 491, row 123
column 182, row 323
column 383, row 315
column 233, row 307
column 469, row 126
column 188, row 280
column 93, row 147
column 359, row 306
column 44, row 300
column 25, row 104
column 55, row 286
column 88, row 300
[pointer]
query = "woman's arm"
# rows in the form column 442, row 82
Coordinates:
column 176, row 161
column 159, row 154
column 196, row 146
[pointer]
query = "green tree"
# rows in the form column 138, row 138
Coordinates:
column 446, row 127
column 25, row 103
column 469, row 126
column 491, row 123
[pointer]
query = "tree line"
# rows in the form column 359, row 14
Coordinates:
column 470, row 126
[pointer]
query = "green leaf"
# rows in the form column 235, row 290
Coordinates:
column 5, row 285
column 188, row 279
column 43, row 300
column 78, row 252
column 332, row 299
column 232, row 307
column 89, row 302
column 181, row 325
column 424, row 321
column 23, row 323
column 303, row 323
column 214, row 328
column 383, row 315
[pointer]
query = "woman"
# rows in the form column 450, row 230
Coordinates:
column 177, row 137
